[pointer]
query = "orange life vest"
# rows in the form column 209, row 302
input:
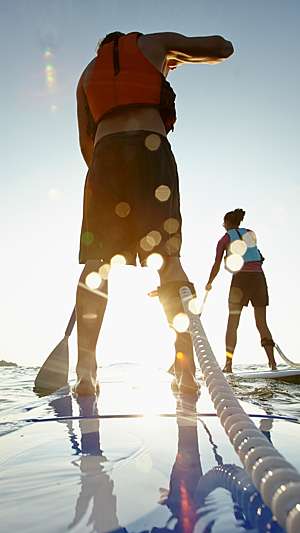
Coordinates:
column 122, row 76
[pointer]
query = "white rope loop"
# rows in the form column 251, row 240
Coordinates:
column 259, row 457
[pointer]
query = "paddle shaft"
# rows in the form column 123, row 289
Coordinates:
column 71, row 323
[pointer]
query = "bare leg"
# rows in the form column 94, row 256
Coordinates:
column 90, row 309
column 184, row 357
column 231, row 334
column 265, row 335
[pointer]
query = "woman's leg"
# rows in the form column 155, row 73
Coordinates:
column 90, row 309
column 265, row 334
column 231, row 333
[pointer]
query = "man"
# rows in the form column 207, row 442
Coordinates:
column 131, row 206
column 244, row 260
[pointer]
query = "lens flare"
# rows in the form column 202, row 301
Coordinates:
column 155, row 261
column 93, row 280
column 234, row 263
column 173, row 245
column 171, row 225
column 89, row 316
column 238, row 247
column 50, row 76
column 87, row 238
column 146, row 244
column 181, row 322
column 122, row 209
column 250, row 239
column 152, row 142
column 104, row 271
column 194, row 306
column 154, row 237
column 236, row 295
column 48, row 53
column 118, row 259
column 180, row 355
column 163, row 193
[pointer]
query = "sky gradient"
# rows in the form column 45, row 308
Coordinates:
column 236, row 143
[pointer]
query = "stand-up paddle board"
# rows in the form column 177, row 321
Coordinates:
column 136, row 459
column 291, row 375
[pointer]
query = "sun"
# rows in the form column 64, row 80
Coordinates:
column 135, row 328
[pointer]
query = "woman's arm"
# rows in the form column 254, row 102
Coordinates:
column 221, row 247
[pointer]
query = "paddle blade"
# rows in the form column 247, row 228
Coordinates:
column 54, row 373
column 172, row 369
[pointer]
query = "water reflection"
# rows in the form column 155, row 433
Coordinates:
column 96, row 487
column 197, row 501
column 186, row 471
column 96, row 500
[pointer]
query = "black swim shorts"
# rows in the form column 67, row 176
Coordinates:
column 249, row 286
column 131, row 199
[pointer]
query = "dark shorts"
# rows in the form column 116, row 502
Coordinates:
column 131, row 199
column 249, row 286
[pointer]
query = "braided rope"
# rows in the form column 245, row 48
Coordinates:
column 276, row 479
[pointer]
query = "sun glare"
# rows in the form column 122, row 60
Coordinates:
column 135, row 328
column 238, row 247
column 93, row 280
column 181, row 322
column 250, row 239
column 104, row 271
column 152, row 142
column 234, row 262
column 194, row 306
column 118, row 259
column 155, row 261
column 163, row 193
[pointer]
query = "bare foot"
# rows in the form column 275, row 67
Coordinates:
column 86, row 386
column 186, row 385
column 227, row 369
column 273, row 366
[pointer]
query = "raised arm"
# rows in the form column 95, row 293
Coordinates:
column 180, row 49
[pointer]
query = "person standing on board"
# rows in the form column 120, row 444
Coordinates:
column 125, row 110
column 244, row 261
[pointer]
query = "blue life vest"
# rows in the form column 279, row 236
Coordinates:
column 250, row 252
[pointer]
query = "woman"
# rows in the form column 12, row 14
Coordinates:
column 244, row 261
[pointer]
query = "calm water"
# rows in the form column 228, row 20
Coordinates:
column 17, row 397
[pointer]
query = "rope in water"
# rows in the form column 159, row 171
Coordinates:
column 276, row 479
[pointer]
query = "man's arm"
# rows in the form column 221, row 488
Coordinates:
column 180, row 49
column 85, row 127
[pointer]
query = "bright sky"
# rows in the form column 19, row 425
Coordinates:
column 236, row 143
